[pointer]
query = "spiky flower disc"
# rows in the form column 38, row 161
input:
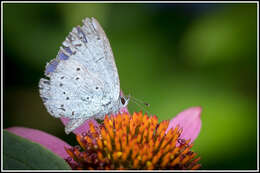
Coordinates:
column 133, row 142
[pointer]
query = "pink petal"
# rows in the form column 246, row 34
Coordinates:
column 124, row 110
column 83, row 128
column 190, row 121
column 52, row 143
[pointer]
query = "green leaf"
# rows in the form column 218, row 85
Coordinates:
column 20, row 153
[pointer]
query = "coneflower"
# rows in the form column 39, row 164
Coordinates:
column 136, row 141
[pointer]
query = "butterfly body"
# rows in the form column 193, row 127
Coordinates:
column 83, row 79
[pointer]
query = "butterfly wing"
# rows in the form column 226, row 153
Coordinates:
column 89, row 46
column 72, row 91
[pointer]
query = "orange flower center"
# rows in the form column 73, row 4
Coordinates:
column 133, row 142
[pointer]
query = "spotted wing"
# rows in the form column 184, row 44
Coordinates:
column 89, row 46
column 72, row 91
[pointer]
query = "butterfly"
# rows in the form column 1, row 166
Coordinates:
column 82, row 82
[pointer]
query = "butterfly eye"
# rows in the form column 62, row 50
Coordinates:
column 123, row 101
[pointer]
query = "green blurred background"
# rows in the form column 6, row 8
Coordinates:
column 173, row 56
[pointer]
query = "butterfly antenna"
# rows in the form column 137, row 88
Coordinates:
column 140, row 103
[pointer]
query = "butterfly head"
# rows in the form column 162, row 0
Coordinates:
column 124, row 101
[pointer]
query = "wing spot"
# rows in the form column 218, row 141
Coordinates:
column 99, row 59
column 62, row 77
column 46, row 82
column 106, row 104
column 77, row 78
column 44, row 99
column 78, row 69
column 64, row 93
column 62, row 106
column 67, row 98
column 96, row 87
column 61, row 84
column 62, row 109
column 87, row 97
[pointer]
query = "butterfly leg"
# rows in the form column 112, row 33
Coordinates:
column 73, row 124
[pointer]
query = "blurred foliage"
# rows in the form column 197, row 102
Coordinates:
column 173, row 56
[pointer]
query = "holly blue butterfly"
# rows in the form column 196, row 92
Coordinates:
column 82, row 81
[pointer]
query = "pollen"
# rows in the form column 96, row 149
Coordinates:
column 135, row 141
